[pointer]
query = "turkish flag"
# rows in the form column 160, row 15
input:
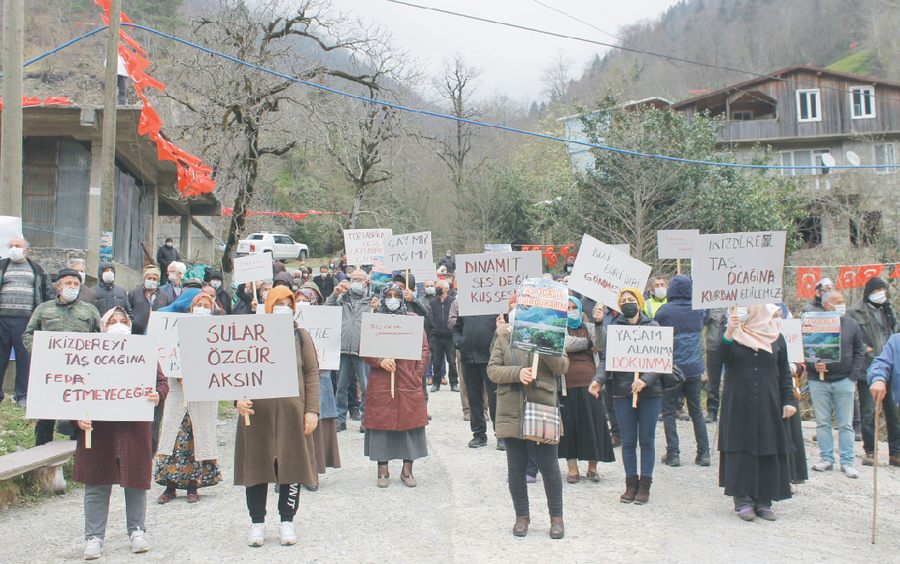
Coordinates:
column 857, row 276
column 896, row 272
column 806, row 282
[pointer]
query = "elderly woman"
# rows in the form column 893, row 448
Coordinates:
column 511, row 370
column 753, row 438
column 586, row 434
column 328, row 454
column 121, row 454
column 395, row 423
column 188, row 454
column 278, row 446
column 636, row 424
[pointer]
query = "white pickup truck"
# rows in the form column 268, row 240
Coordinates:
column 280, row 245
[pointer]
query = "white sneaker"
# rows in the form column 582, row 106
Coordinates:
column 822, row 466
column 850, row 471
column 288, row 534
column 93, row 548
column 257, row 534
column 139, row 543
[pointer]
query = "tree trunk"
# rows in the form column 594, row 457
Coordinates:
column 357, row 205
column 250, row 166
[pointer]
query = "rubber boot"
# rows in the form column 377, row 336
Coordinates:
column 631, row 488
column 643, row 494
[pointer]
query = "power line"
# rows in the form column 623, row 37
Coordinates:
column 573, row 18
column 442, row 116
column 634, row 50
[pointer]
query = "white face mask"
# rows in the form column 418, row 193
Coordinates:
column 303, row 304
column 69, row 295
column 199, row 310
column 282, row 309
column 109, row 276
column 742, row 313
column 659, row 293
column 216, row 284
column 173, row 278
column 264, row 295
column 151, row 284
column 118, row 329
column 392, row 304
column 841, row 309
column 429, row 290
column 16, row 254
column 878, row 297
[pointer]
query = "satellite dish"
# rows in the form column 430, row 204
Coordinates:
column 853, row 158
column 828, row 160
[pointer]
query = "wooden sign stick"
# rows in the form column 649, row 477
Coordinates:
column 393, row 384
column 875, row 471
column 246, row 420
column 87, row 439
column 634, row 396
column 534, row 365
column 679, row 265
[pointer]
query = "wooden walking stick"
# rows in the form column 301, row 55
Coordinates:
column 875, row 470
column 87, row 444
column 393, row 384
column 634, row 396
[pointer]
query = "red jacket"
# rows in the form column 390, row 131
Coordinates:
column 129, row 441
column 406, row 410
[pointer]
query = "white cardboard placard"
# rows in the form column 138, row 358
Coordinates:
column 391, row 336
column 252, row 268
column 601, row 270
column 91, row 376
column 738, row 269
column 238, row 356
column 793, row 336
column 487, row 280
column 675, row 243
column 164, row 326
column 639, row 348
column 408, row 251
column 362, row 245
column 324, row 326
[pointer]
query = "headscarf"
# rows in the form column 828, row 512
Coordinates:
column 277, row 294
column 204, row 297
column 634, row 292
column 392, row 287
column 151, row 269
column 759, row 330
column 104, row 320
column 182, row 304
column 575, row 323
column 309, row 294
column 314, row 288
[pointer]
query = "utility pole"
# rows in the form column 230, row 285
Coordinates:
column 108, row 141
column 11, row 132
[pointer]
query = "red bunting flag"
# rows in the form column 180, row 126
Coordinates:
column 857, row 276
column 896, row 272
column 806, row 282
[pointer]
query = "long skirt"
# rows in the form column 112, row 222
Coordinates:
column 328, row 454
column 797, row 459
column 382, row 446
column 181, row 469
column 585, row 427
column 760, row 477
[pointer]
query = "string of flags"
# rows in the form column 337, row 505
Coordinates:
column 296, row 216
column 35, row 102
column 194, row 177
column 848, row 277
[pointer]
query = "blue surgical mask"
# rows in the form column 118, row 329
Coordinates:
column 392, row 304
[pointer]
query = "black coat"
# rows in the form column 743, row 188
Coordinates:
column 440, row 316
column 619, row 383
column 108, row 296
column 473, row 336
column 325, row 284
column 165, row 256
column 757, row 387
column 141, row 308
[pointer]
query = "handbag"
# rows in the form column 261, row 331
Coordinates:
column 541, row 423
column 672, row 382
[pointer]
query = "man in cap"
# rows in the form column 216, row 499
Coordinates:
column 66, row 313
column 144, row 299
column 823, row 286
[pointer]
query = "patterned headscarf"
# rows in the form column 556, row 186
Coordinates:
column 392, row 287
column 575, row 323
column 104, row 321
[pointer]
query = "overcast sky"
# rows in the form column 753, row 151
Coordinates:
column 511, row 61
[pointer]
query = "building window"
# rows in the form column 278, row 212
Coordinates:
column 862, row 102
column 884, row 155
column 864, row 230
column 810, row 229
column 745, row 115
column 801, row 158
column 809, row 105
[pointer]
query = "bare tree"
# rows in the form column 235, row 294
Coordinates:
column 456, row 87
column 235, row 110
column 556, row 78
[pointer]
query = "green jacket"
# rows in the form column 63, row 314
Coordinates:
column 652, row 305
column 77, row 317
column 874, row 338
column 503, row 369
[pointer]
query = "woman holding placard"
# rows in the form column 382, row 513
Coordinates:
column 395, row 418
column 188, row 454
column 512, row 371
column 328, row 454
column 277, row 447
column 121, row 454
column 758, row 397
column 637, row 398
column 586, row 435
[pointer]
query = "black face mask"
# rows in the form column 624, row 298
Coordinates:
column 506, row 317
column 439, row 291
column 629, row 310
column 568, row 269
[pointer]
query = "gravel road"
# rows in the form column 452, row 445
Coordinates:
column 461, row 512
